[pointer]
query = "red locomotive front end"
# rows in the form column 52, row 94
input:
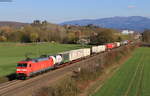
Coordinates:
column 23, row 69
column 32, row 67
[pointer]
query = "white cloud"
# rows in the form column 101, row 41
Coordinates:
column 131, row 6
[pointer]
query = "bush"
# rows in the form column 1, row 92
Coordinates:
column 67, row 87
column 3, row 38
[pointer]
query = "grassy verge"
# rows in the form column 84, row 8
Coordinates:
column 131, row 79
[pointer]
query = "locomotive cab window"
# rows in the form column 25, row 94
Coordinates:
column 22, row 65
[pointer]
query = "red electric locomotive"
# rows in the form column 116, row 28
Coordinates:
column 30, row 67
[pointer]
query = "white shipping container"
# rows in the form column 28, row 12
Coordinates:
column 97, row 49
column 58, row 59
column 86, row 52
column 79, row 53
column 102, row 48
column 76, row 54
column 125, row 42
column 118, row 44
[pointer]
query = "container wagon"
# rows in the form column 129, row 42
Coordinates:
column 110, row 46
column 102, row 48
column 117, row 44
column 86, row 52
column 98, row 49
column 95, row 49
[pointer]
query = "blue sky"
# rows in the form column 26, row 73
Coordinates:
column 57, row 11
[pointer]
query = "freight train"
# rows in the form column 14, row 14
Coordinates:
column 31, row 67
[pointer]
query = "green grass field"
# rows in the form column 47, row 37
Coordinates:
column 11, row 53
column 132, row 79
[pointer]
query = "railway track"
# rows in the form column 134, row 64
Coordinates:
column 7, row 84
column 22, row 86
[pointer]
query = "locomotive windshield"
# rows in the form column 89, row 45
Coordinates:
column 22, row 65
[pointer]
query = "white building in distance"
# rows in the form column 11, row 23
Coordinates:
column 126, row 32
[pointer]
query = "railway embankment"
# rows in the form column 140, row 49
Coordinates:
column 83, row 77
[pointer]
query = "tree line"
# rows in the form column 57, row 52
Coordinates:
column 146, row 36
column 42, row 31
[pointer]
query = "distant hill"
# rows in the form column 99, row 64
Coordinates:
column 137, row 23
column 12, row 24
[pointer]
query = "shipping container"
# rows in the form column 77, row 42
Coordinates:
column 117, row 44
column 102, row 48
column 97, row 49
column 110, row 46
column 58, row 59
column 125, row 42
column 86, row 52
column 76, row 54
column 65, row 56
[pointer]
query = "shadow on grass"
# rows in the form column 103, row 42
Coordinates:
column 8, row 78
column 11, row 77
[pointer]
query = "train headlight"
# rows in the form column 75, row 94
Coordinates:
column 21, row 69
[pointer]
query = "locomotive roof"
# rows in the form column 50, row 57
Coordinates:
column 36, row 59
